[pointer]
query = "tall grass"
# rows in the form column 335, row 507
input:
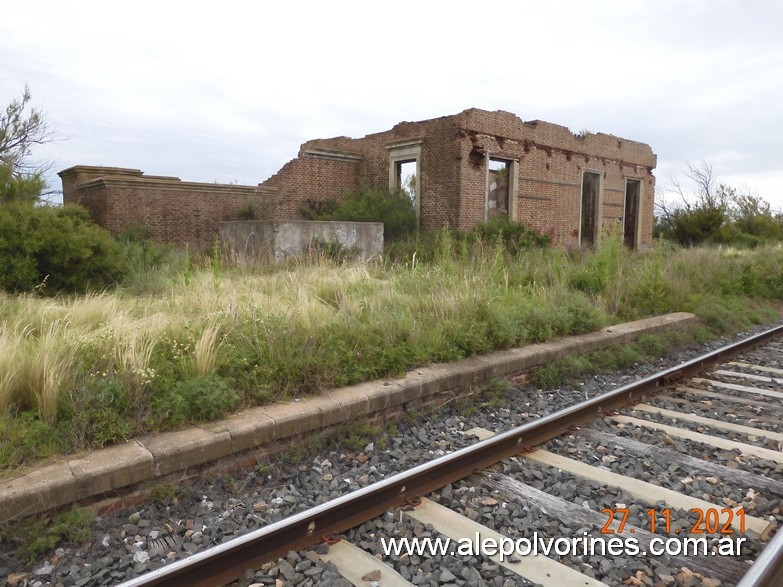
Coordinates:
column 205, row 351
column 193, row 341
column 49, row 368
column 9, row 369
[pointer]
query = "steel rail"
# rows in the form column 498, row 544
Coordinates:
column 226, row 562
column 767, row 569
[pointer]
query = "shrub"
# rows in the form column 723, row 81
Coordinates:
column 487, row 240
column 101, row 412
column 199, row 398
column 149, row 267
column 514, row 235
column 318, row 210
column 51, row 249
column 27, row 437
column 250, row 211
column 393, row 208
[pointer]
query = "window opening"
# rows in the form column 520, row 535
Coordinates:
column 499, row 173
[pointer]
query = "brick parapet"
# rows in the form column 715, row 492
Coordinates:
column 175, row 212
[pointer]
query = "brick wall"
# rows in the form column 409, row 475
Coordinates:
column 551, row 161
column 452, row 173
column 452, row 170
column 311, row 178
column 176, row 212
column 438, row 175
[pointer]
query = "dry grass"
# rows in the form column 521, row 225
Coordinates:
column 205, row 351
column 36, row 368
column 50, row 368
column 9, row 369
column 131, row 344
column 300, row 328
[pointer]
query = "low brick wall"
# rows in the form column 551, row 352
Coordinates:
column 176, row 212
column 265, row 241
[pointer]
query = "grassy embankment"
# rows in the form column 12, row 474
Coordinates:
column 185, row 342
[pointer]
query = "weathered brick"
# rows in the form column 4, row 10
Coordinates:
column 452, row 177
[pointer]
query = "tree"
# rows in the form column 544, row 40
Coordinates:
column 753, row 215
column 49, row 249
column 696, row 215
column 19, row 188
column 715, row 212
column 21, row 128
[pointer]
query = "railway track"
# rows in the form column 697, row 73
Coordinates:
column 692, row 453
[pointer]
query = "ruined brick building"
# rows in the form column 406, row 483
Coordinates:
column 469, row 167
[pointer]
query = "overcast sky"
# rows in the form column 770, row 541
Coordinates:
column 227, row 91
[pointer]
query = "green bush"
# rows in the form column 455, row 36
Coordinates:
column 393, row 208
column 196, row 399
column 515, row 236
column 149, row 267
column 51, row 249
column 101, row 412
column 27, row 437
column 487, row 240
column 33, row 537
column 693, row 225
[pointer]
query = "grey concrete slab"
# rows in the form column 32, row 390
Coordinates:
column 177, row 451
column 39, row 490
column 111, row 468
column 248, row 429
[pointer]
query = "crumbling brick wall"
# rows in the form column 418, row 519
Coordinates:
column 438, row 178
column 453, row 153
column 310, row 178
column 551, row 161
column 453, row 171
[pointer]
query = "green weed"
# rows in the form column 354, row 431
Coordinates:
column 572, row 369
column 33, row 537
column 356, row 436
column 169, row 494
column 294, row 456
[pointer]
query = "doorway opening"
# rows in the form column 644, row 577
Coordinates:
column 633, row 190
column 407, row 178
column 590, row 209
column 404, row 172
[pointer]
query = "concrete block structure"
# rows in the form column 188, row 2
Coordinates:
column 467, row 168
column 249, row 241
